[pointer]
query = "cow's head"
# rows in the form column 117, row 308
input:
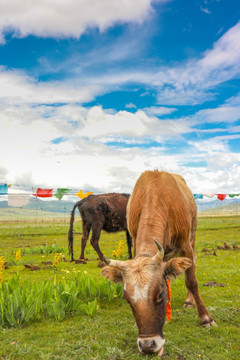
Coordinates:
column 145, row 289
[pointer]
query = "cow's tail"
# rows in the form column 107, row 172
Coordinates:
column 70, row 232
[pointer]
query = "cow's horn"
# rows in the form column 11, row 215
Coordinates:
column 107, row 261
column 160, row 253
column 115, row 263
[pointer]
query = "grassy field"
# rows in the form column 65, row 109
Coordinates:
column 110, row 334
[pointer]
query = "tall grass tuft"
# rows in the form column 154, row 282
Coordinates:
column 22, row 302
column 43, row 249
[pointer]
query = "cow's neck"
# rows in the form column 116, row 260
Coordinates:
column 144, row 242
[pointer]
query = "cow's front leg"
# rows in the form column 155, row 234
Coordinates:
column 192, row 286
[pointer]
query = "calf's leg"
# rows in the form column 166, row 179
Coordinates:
column 86, row 230
column 96, row 231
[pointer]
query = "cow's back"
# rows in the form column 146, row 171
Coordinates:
column 109, row 210
column 161, row 205
column 116, row 219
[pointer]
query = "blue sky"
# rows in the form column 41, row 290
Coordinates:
column 93, row 93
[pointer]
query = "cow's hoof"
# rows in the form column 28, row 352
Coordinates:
column 188, row 305
column 80, row 261
column 209, row 324
column 212, row 323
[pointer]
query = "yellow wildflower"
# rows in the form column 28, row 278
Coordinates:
column 119, row 253
column 56, row 261
column 2, row 267
column 18, row 254
column 2, row 263
column 114, row 253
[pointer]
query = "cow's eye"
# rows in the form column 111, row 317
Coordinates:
column 159, row 299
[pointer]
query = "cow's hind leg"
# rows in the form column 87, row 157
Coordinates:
column 86, row 227
column 189, row 302
column 192, row 286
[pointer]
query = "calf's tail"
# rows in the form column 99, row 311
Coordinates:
column 70, row 232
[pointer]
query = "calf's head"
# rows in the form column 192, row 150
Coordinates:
column 145, row 289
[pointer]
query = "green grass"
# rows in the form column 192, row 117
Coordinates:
column 111, row 334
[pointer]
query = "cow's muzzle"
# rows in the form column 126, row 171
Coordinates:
column 150, row 344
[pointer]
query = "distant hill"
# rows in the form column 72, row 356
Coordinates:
column 37, row 210
column 50, row 206
column 218, row 207
column 63, row 208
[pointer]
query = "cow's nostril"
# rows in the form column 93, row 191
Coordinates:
column 153, row 344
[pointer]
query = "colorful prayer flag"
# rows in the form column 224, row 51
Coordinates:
column 18, row 200
column 43, row 193
column 82, row 195
column 221, row 196
column 3, row 189
column 61, row 192
column 232, row 195
column 198, row 196
column 209, row 194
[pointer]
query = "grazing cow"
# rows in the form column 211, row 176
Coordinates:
column 161, row 208
column 100, row 212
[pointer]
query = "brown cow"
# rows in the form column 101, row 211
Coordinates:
column 161, row 208
column 100, row 212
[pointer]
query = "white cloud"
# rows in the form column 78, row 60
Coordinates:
column 30, row 155
column 61, row 19
column 222, row 114
column 101, row 124
column 130, row 106
column 18, row 88
column 211, row 146
column 28, row 127
column 158, row 110
column 221, row 170
column 205, row 10
column 222, row 161
column 194, row 81
column 31, row 158
column 234, row 100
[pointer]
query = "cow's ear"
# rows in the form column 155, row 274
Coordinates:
column 176, row 267
column 112, row 273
